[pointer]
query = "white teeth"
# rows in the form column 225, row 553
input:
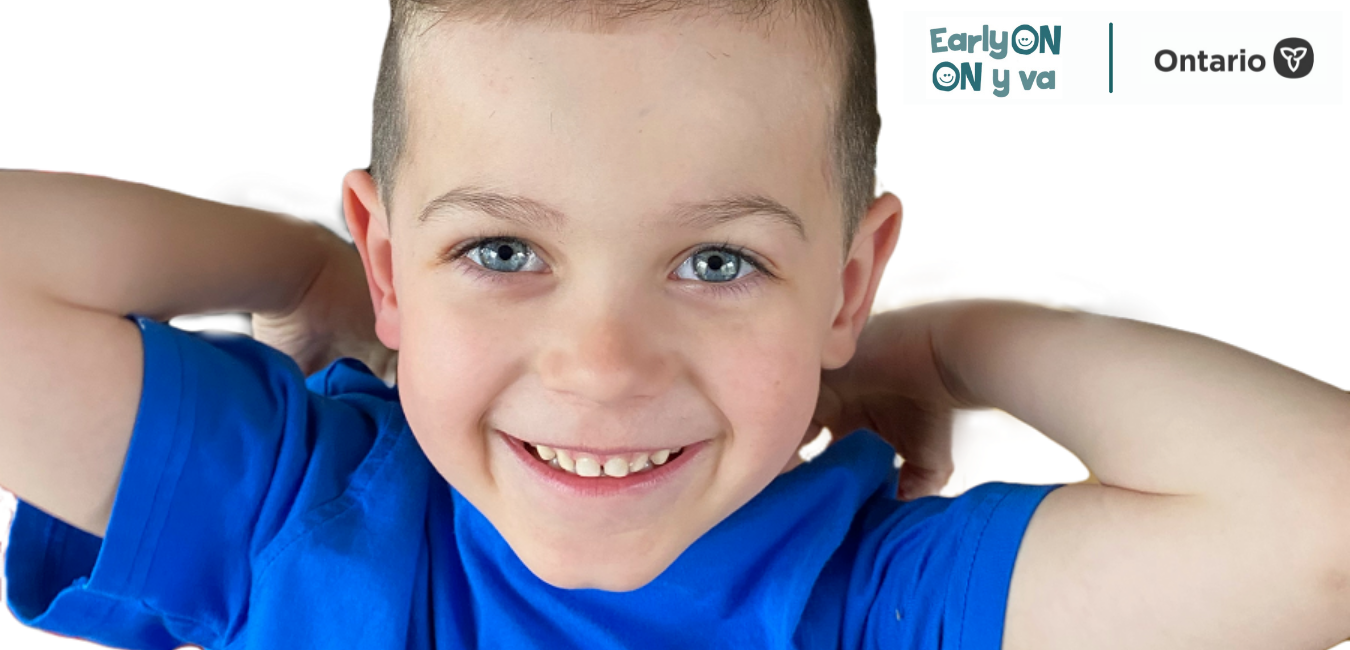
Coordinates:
column 616, row 466
column 590, row 467
column 587, row 466
column 566, row 462
column 546, row 453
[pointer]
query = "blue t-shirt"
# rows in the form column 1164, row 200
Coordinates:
column 259, row 508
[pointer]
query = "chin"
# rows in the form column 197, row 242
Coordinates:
column 615, row 572
column 619, row 561
column 612, row 576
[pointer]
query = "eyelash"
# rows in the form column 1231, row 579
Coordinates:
column 729, row 288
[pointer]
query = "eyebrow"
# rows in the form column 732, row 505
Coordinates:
column 538, row 215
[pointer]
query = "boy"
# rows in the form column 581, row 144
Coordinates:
column 602, row 238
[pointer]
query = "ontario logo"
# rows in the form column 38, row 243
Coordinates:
column 1292, row 59
column 1295, row 58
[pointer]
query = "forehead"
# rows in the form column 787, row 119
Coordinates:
column 627, row 119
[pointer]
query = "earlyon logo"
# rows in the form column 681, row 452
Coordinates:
column 1293, row 58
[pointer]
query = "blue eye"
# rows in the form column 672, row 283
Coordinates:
column 720, row 265
column 715, row 265
column 504, row 255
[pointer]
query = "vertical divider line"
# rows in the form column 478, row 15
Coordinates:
column 1110, row 57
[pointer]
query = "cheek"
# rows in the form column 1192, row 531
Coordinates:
column 453, row 363
column 766, row 381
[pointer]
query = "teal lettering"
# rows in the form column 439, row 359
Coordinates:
column 1000, row 47
column 1049, row 41
column 933, row 35
column 1001, row 87
column 974, row 78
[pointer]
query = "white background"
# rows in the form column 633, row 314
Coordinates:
column 1228, row 220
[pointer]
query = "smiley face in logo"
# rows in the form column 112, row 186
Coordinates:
column 1025, row 39
column 945, row 76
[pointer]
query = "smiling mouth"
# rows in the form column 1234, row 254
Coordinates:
column 593, row 466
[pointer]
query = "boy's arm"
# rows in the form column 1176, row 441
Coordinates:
column 1223, row 517
column 79, row 252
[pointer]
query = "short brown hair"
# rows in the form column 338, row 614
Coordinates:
column 846, row 25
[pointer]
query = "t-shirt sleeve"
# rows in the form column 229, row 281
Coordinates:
column 949, row 564
column 230, row 456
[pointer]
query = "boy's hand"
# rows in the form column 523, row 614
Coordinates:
column 333, row 319
column 893, row 386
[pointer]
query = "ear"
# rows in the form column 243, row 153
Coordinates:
column 871, row 250
column 369, row 226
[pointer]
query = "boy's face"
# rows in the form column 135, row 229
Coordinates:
column 602, row 326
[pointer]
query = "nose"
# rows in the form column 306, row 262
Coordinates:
column 605, row 351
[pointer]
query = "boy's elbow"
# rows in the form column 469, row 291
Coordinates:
column 1336, row 586
column 1337, row 577
column 1334, row 582
column 1334, row 592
